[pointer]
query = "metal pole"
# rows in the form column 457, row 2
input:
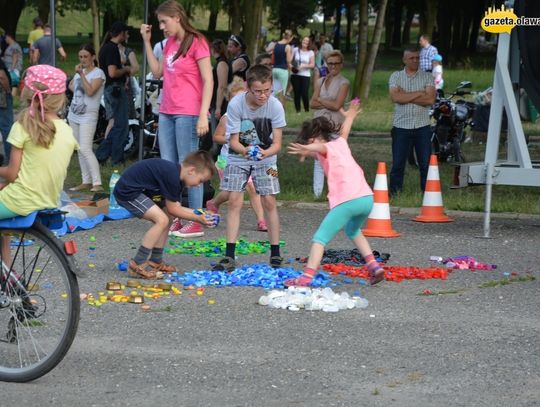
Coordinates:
column 487, row 205
column 52, row 12
column 143, row 90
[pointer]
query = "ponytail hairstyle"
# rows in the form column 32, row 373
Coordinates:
column 220, row 48
column 41, row 131
column 318, row 127
column 171, row 8
column 44, row 93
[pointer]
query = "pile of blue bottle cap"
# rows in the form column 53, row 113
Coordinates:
column 254, row 275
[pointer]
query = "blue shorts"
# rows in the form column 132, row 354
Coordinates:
column 140, row 205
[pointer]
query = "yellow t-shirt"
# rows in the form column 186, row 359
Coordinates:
column 43, row 170
column 34, row 35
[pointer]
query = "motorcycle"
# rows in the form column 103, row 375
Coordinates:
column 131, row 146
column 451, row 120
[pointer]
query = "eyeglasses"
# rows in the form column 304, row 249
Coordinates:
column 261, row 92
column 333, row 63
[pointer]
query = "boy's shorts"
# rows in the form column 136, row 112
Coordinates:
column 140, row 205
column 265, row 177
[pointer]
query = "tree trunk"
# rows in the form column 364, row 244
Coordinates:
column 362, row 35
column 253, row 13
column 398, row 13
column 43, row 10
column 465, row 27
column 479, row 9
column 456, row 32
column 236, row 17
column 445, row 18
column 428, row 18
column 10, row 16
column 365, row 83
column 212, row 21
column 389, row 23
column 95, row 24
column 406, row 36
column 349, row 26
column 337, row 28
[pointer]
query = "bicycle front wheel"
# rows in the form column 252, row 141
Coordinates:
column 39, row 304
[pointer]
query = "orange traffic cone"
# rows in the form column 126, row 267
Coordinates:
column 432, row 205
column 379, row 223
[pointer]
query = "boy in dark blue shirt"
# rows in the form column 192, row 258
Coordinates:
column 152, row 189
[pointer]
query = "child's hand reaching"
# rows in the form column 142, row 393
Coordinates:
column 301, row 150
column 354, row 109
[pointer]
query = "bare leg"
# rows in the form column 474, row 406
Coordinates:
column 157, row 234
column 221, row 198
column 272, row 217
column 256, row 203
column 236, row 200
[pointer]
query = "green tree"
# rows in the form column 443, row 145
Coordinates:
column 291, row 14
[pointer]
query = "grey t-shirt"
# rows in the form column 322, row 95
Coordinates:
column 11, row 50
column 255, row 126
column 44, row 45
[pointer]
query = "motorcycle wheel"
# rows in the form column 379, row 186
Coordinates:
column 457, row 154
column 131, row 148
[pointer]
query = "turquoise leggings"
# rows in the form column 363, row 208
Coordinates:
column 349, row 216
column 5, row 213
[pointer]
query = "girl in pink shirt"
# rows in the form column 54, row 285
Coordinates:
column 187, row 91
column 349, row 195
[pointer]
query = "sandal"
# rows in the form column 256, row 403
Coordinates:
column 81, row 187
column 97, row 188
column 225, row 264
column 276, row 261
column 163, row 267
column 143, row 271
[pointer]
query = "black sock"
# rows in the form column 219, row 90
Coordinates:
column 157, row 255
column 142, row 255
column 230, row 250
column 274, row 250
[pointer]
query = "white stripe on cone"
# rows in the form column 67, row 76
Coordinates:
column 433, row 173
column 380, row 211
column 432, row 199
column 380, row 183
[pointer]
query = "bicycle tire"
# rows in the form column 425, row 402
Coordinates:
column 45, row 305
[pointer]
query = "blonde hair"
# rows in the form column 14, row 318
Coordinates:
column 237, row 85
column 41, row 132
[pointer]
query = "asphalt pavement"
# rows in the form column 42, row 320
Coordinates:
column 474, row 347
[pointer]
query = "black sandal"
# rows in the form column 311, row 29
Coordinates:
column 225, row 264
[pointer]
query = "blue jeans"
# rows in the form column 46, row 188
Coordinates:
column 6, row 121
column 177, row 138
column 113, row 144
column 402, row 139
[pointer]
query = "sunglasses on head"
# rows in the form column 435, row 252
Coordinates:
column 235, row 39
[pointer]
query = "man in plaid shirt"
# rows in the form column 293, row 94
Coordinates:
column 427, row 52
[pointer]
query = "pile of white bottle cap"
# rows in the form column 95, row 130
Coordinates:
column 317, row 299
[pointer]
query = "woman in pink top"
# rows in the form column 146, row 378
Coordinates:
column 349, row 195
column 187, row 91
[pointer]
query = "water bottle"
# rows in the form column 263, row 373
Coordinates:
column 318, row 179
column 115, row 176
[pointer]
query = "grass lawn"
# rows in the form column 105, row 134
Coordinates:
column 295, row 179
column 376, row 117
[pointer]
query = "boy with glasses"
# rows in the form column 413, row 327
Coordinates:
column 254, row 120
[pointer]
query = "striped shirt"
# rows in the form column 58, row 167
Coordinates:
column 411, row 115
